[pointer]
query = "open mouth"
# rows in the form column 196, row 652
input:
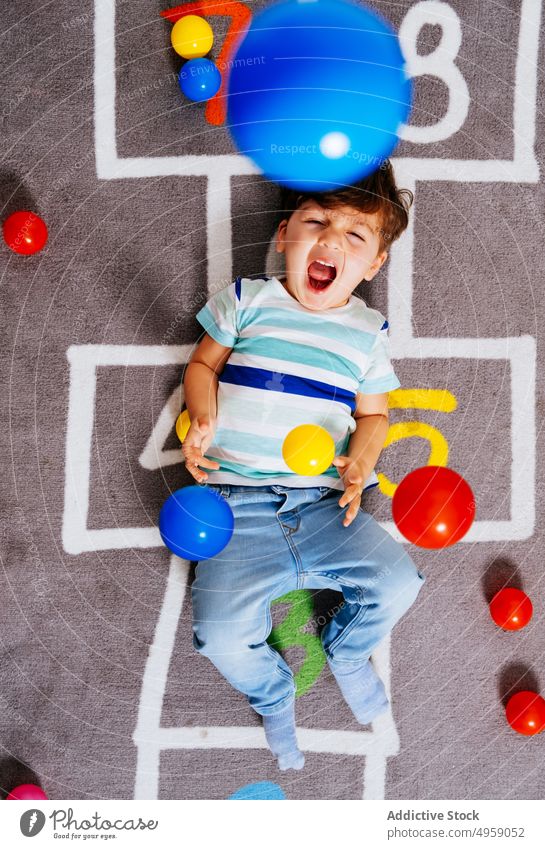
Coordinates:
column 321, row 275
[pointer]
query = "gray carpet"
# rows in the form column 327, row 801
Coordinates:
column 102, row 694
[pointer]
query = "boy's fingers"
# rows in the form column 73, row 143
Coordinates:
column 199, row 460
column 351, row 514
column 351, row 492
column 208, row 464
column 195, row 472
column 189, row 449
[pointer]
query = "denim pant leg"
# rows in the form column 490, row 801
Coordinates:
column 388, row 583
column 232, row 594
column 377, row 577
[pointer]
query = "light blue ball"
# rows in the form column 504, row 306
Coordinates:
column 259, row 790
column 199, row 79
column 317, row 92
column 196, row 523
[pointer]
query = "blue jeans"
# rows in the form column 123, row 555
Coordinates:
column 286, row 539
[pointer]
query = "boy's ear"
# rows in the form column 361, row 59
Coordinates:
column 281, row 236
column 376, row 265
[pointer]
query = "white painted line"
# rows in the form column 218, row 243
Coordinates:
column 84, row 361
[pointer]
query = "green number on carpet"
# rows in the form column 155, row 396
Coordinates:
column 288, row 633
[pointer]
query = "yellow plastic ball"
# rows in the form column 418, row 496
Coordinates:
column 192, row 37
column 308, row 450
column 182, row 425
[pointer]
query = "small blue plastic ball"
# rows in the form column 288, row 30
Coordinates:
column 317, row 93
column 199, row 79
column 196, row 523
column 259, row 790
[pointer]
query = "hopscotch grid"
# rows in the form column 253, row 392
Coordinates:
column 149, row 737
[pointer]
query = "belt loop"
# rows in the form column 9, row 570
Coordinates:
column 225, row 490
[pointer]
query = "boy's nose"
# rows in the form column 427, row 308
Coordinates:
column 329, row 236
column 330, row 242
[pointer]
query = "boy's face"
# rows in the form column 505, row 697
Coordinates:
column 344, row 237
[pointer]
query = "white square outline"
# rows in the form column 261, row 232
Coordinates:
column 219, row 169
column 522, row 168
column 85, row 359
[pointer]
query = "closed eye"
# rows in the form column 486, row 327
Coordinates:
column 315, row 221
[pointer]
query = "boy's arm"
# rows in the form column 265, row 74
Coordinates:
column 201, row 378
column 364, row 449
column 200, row 387
column 367, row 441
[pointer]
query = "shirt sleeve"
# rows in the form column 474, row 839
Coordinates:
column 219, row 315
column 379, row 375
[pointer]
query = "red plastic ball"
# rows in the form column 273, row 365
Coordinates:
column 511, row 609
column 433, row 507
column 525, row 712
column 25, row 232
column 27, row 791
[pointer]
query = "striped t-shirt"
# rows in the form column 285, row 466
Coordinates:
column 289, row 366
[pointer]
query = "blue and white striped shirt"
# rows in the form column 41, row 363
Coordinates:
column 289, row 366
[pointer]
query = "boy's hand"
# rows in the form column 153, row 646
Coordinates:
column 352, row 474
column 197, row 441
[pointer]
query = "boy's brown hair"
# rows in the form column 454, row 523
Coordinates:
column 375, row 193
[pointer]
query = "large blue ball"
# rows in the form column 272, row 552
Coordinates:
column 196, row 523
column 317, row 93
column 199, row 79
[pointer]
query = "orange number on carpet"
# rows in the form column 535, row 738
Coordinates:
column 241, row 15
